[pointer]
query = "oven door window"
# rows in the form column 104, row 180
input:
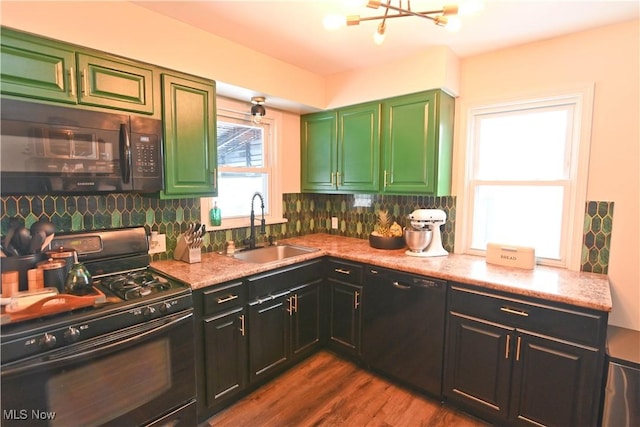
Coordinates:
column 110, row 387
column 126, row 378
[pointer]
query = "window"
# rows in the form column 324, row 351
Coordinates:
column 246, row 153
column 526, row 181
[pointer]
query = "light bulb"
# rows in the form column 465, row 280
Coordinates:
column 334, row 22
column 378, row 36
column 453, row 24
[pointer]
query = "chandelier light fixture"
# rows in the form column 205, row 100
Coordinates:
column 257, row 109
column 446, row 17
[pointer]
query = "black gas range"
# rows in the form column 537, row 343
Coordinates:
column 118, row 261
column 145, row 319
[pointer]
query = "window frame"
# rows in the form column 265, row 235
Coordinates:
column 229, row 109
column 581, row 97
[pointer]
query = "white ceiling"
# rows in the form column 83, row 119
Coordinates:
column 292, row 30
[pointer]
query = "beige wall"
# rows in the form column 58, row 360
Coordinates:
column 607, row 57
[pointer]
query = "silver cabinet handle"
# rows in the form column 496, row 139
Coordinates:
column 506, row 347
column 516, row 312
column 385, row 178
column 85, row 82
column 518, row 342
column 242, row 330
column 228, row 298
column 356, row 300
column 333, row 180
column 338, row 184
column 72, row 82
column 341, row 271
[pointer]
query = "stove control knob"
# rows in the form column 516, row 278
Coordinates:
column 71, row 335
column 148, row 311
column 165, row 307
column 47, row 341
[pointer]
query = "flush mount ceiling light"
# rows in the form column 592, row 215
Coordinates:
column 446, row 17
column 257, row 109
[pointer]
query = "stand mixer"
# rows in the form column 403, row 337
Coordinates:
column 424, row 238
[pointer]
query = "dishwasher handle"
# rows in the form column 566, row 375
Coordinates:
column 401, row 286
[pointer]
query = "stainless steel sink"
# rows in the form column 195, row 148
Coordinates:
column 272, row 253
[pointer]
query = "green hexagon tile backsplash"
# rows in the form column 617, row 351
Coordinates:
column 306, row 213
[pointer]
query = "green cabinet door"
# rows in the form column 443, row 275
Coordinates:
column 318, row 151
column 340, row 151
column 417, row 144
column 189, row 137
column 36, row 68
column 359, row 148
column 106, row 82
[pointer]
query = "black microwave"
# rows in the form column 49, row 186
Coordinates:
column 47, row 149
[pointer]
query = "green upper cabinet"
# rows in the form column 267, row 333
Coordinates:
column 36, row 68
column 341, row 150
column 106, row 82
column 417, row 144
column 39, row 68
column 190, row 154
column 319, row 151
column 359, row 148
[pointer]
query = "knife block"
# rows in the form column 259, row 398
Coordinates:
column 184, row 253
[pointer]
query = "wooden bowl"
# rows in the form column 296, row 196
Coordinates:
column 380, row 242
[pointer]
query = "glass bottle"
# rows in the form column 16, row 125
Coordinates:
column 215, row 216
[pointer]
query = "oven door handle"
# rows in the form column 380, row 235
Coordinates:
column 129, row 340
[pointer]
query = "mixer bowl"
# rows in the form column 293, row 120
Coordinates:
column 417, row 240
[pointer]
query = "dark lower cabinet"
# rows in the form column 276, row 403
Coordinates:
column 346, row 317
column 554, row 382
column 345, row 306
column 519, row 362
column 225, row 347
column 221, row 345
column 306, row 318
column 285, row 318
column 268, row 336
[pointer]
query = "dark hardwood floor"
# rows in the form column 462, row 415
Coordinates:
column 326, row 390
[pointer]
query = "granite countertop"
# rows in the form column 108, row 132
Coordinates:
column 587, row 290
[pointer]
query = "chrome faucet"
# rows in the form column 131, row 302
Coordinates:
column 252, row 219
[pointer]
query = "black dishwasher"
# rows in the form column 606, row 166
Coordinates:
column 403, row 330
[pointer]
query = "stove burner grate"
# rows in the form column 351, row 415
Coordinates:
column 136, row 284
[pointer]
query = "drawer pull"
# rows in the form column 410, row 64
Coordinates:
column 512, row 311
column 228, row 298
column 341, row 271
column 374, row 271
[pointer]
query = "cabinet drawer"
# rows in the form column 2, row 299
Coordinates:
column 345, row 271
column 284, row 278
column 223, row 297
column 574, row 324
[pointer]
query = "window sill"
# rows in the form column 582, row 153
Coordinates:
column 243, row 223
